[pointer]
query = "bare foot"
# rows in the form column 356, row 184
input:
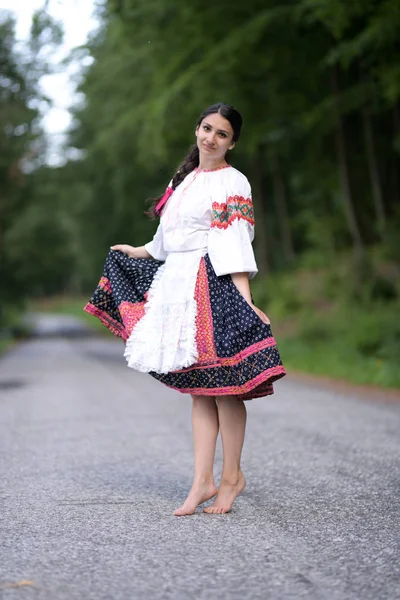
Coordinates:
column 198, row 494
column 226, row 496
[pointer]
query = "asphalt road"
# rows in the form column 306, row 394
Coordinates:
column 94, row 458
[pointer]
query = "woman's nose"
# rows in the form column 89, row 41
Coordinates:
column 211, row 138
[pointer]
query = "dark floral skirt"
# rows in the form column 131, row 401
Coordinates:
column 237, row 354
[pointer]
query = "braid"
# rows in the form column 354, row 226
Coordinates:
column 190, row 162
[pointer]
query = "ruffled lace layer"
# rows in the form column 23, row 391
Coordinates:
column 164, row 340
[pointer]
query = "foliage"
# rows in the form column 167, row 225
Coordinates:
column 317, row 82
column 26, row 223
column 325, row 329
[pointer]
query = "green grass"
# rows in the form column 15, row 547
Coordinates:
column 68, row 306
column 335, row 360
column 338, row 338
column 6, row 343
column 331, row 332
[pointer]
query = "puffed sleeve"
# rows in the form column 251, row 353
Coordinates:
column 232, row 232
column 156, row 247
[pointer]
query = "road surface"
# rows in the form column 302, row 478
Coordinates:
column 95, row 458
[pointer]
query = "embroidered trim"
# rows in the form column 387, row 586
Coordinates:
column 114, row 326
column 204, row 321
column 131, row 313
column 236, row 207
column 105, row 284
column 210, row 170
column 267, row 377
column 230, row 361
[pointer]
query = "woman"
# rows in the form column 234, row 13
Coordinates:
column 183, row 304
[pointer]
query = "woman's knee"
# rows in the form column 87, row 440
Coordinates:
column 226, row 401
column 198, row 399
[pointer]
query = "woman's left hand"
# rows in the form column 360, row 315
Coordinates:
column 262, row 315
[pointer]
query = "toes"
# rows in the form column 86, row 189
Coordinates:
column 216, row 510
column 181, row 512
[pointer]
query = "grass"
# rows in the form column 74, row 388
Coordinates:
column 317, row 332
column 5, row 343
column 332, row 334
column 59, row 304
column 334, row 360
column 68, row 305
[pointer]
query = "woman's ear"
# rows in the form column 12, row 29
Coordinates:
column 231, row 147
column 196, row 131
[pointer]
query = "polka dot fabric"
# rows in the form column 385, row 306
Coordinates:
column 247, row 360
column 121, row 291
column 239, row 355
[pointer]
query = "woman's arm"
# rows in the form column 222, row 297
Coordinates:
column 241, row 281
column 139, row 252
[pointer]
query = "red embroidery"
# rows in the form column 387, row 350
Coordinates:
column 131, row 313
column 113, row 325
column 266, row 377
column 105, row 284
column 209, row 170
column 236, row 207
column 204, row 321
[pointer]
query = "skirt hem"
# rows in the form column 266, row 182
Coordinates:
column 246, row 391
column 114, row 326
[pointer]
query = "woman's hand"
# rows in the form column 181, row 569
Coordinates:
column 241, row 281
column 126, row 249
column 139, row 252
column 260, row 313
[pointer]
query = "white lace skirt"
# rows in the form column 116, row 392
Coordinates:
column 164, row 340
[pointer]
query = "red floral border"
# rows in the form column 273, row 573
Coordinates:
column 236, row 207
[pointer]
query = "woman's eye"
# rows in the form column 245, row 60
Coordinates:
column 206, row 128
column 223, row 135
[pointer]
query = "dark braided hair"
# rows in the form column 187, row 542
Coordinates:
column 191, row 161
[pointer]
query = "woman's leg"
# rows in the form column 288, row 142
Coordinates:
column 205, row 433
column 232, row 423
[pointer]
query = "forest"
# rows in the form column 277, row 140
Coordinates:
column 318, row 85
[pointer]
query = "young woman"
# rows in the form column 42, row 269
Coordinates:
column 183, row 305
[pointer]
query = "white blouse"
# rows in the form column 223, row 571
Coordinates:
column 210, row 210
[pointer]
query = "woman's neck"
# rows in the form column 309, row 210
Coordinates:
column 207, row 164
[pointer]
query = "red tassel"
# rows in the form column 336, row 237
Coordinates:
column 163, row 201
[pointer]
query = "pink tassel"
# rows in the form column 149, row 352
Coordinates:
column 163, row 201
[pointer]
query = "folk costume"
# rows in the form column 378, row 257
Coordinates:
column 183, row 319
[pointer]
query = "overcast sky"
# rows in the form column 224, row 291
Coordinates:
column 77, row 19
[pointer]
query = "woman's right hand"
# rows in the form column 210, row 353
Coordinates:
column 126, row 249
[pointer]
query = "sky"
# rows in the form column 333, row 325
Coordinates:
column 77, row 19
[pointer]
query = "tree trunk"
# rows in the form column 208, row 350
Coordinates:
column 396, row 183
column 281, row 208
column 376, row 187
column 344, row 175
column 396, row 119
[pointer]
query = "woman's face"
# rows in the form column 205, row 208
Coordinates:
column 214, row 136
